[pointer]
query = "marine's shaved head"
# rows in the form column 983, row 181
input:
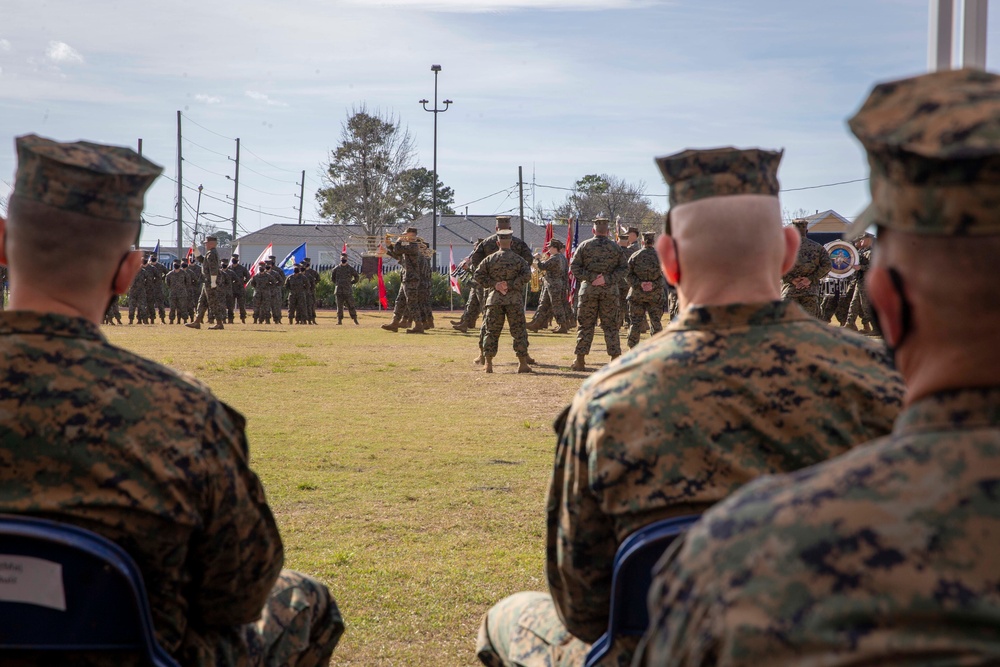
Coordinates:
column 730, row 249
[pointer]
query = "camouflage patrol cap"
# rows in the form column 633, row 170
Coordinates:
column 107, row 182
column 601, row 223
column 801, row 223
column 933, row 144
column 503, row 222
column 505, row 234
column 633, row 230
column 648, row 237
column 557, row 243
column 212, row 238
column 695, row 174
column 411, row 230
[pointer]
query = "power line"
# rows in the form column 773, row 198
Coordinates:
column 191, row 120
column 474, row 201
column 825, row 185
column 205, row 148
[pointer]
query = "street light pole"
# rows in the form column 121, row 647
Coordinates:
column 434, row 189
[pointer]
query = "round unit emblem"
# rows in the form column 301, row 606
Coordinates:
column 843, row 257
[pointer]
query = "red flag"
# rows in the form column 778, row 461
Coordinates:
column 381, row 284
column 343, row 251
column 548, row 236
column 190, row 255
column 451, row 266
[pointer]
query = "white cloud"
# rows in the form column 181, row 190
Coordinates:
column 63, row 53
column 207, row 99
column 261, row 97
column 467, row 6
column 4, row 45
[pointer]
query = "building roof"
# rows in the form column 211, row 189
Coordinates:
column 294, row 234
column 825, row 216
column 465, row 230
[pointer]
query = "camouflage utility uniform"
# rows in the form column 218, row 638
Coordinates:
column 813, row 262
column 177, row 285
column 261, row 305
column 168, row 482
column 344, row 278
column 724, row 395
column 241, row 276
column 644, row 267
column 504, row 265
column 298, row 310
column 212, row 298
column 137, row 297
column 555, row 274
column 594, row 257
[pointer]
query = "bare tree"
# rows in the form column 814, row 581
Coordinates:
column 612, row 197
column 365, row 176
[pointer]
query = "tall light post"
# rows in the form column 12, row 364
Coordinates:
column 434, row 188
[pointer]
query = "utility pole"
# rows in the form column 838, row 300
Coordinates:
column 236, row 187
column 520, row 187
column 974, row 34
column 197, row 215
column 180, row 189
column 302, row 194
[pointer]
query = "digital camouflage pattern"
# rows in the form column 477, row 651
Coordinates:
column 724, row 395
column 297, row 285
column 344, row 277
column 524, row 630
column 490, row 246
column 695, row 174
column 886, row 555
column 212, row 298
column 595, row 257
column 859, row 306
column 137, row 297
column 241, row 276
column 931, row 143
column 157, row 300
column 555, row 273
column 177, row 285
column 276, row 283
column 504, row 265
column 312, row 275
column 261, row 303
column 99, row 181
column 299, row 626
column 96, row 436
column 812, row 262
column 644, row 267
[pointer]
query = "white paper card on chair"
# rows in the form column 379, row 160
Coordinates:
column 32, row 580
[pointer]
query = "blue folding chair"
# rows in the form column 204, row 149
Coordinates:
column 633, row 575
column 105, row 609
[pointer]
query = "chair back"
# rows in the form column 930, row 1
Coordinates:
column 63, row 588
column 632, row 577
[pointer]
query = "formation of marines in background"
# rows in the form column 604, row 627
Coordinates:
column 216, row 289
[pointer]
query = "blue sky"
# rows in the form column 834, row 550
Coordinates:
column 562, row 87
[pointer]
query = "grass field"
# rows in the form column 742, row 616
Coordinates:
column 404, row 477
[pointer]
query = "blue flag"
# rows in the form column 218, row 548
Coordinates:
column 156, row 250
column 291, row 259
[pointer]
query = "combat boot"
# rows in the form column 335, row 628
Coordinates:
column 534, row 325
column 488, row 361
column 355, row 318
column 850, row 325
column 561, row 330
column 340, row 321
column 232, row 319
column 193, row 325
column 580, row 363
column 481, row 359
column 415, row 329
column 529, row 359
column 218, row 326
column 243, row 319
column 615, row 356
column 522, row 364
column 391, row 326
column 131, row 321
column 462, row 328
column 162, row 320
